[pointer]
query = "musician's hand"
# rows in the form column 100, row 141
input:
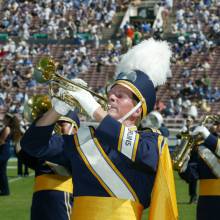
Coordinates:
column 201, row 130
column 86, row 100
column 61, row 107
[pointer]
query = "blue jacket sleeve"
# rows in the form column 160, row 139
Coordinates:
column 213, row 143
column 39, row 142
column 141, row 148
column 28, row 160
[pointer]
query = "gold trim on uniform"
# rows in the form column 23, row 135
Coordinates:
column 209, row 187
column 134, row 153
column 53, row 182
column 156, row 130
column 92, row 171
column 121, row 137
column 105, row 208
column 104, row 170
column 67, row 119
column 116, row 170
column 88, row 164
column 161, row 143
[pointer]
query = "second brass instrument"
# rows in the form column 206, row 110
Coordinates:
column 188, row 142
column 36, row 106
column 46, row 72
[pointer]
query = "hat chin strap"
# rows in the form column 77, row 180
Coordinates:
column 71, row 129
column 130, row 112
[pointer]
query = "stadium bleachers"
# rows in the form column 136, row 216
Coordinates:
column 97, row 79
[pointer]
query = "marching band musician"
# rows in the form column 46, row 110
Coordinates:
column 208, row 172
column 114, row 166
column 53, row 189
column 192, row 182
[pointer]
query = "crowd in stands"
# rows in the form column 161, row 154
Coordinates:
column 195, row 16
column 58, row 19
column 194, row 39
column 194, row 88
column 71, row 18
column 68, row 20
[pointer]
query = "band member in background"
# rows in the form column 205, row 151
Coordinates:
column 9, row 136
column 53, row 189
column 208, row 172
column 192, row 182
column 114, row 166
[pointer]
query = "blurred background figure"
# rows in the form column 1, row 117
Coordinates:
column 22, row 168
column 9, row 135
column 154, row 120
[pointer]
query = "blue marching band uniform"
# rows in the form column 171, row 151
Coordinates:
column 114, row 167
column 53, row 188
column 206, row 166
column 106, row 158
column 53, row 193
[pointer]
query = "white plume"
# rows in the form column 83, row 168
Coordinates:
column 151, row 57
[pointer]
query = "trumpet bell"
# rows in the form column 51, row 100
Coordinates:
column 44, row 70
column 36, row 106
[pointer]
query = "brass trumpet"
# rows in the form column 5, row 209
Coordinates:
column 188, row 142
column 46, row 72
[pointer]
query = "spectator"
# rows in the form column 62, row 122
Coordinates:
column 10, row 133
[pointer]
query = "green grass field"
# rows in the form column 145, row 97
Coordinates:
column 17, row 205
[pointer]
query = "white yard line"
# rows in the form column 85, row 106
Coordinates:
column 11, row 167
column 13, row 159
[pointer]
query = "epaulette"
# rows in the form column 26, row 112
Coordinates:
column 154, row 130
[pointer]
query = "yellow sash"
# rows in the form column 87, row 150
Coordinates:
column 163, row 199
column 53, row 182
column 209, row 187
column 105, row 208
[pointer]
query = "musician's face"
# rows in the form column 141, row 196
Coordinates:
column 120, row 100
column 66, row 127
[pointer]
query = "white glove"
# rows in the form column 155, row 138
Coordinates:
column 184, row 129
column 86, row 100
column 60, row 107
column 202, row 130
